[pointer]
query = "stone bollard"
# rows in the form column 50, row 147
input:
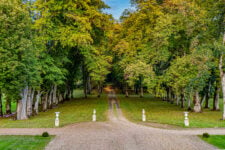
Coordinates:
column 94, row 115
column 143, row 115
column 57, row 119
column 186, row 120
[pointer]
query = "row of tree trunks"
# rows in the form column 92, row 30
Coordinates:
column 171, row 97
column 136, row 90
column 31, row 99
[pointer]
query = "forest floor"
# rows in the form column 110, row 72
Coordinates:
column 119, row 133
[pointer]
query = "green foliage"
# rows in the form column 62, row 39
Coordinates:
column 18, row 57
column 45, row 134
column 73, row 26
column 179, row 41
column 138, row 70
column 205, row 135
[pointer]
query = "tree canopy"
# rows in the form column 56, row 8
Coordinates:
column 173, row 49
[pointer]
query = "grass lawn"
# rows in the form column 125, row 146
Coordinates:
column 159, row 111
column 18, row 142
column 216, row 140
column 77, row 110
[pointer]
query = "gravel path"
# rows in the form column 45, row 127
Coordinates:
column 119, row 134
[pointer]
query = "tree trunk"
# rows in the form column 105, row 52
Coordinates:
column 38, row 97
column 182, row 100
column 167, row 94
column 142, row 92
column 222, row 85
column 22, row 105
column 197, row 107
column 45, row 102
column 1, row 111
column 177, row 100
column 207, row 96
column 222, row 77
column 67, row 93
column 173, row 98
column 54, row 95
column 49, row 100
column 89, row 88
column 189, row 103
column 30, row 98
column 136, row 89
column 60, row 99
column 207, row 100
column 141, row 87
column 85, row 89
column 202, row 100
column 19, row 110
column 29, row 102
column 216, row 98
column 99, row 90
column 8, row 106
column 70, row 94
column 127, row 94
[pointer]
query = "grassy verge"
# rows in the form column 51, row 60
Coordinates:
column 77, row 110
column 159, row 111
column 216, row 140
column 12, row 142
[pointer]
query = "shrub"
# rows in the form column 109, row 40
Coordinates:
column 45, row 134
column 205, row 135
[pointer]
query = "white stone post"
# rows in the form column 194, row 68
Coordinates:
column 57, row 119
column 143, row 115
column 186, row 120
column 94, row 115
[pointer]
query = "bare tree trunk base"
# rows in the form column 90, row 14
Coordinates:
column 197, row 108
